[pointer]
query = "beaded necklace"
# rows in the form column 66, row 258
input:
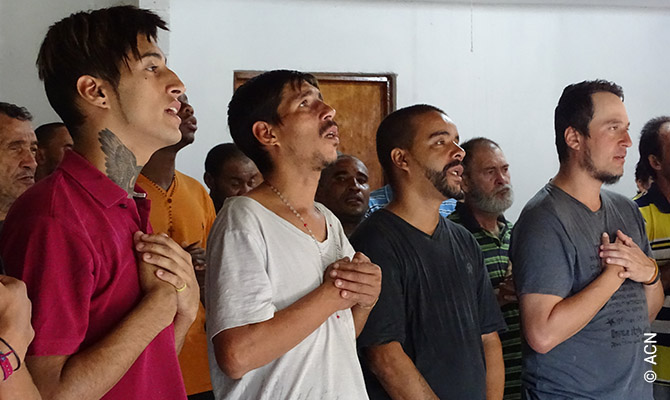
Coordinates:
column 297, row 214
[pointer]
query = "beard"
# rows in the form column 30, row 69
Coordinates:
column 605, row 177
column 320, row 161
column 494, row 203
column 441, row 183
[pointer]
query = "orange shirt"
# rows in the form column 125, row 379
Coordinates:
column 185, row 212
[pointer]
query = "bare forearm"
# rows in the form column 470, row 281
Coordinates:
column 360, row 317
column 495, row 366
column 94, row 371
column 664, row 270
column 397, row 373
column 19, row 386
column 181, row 328
column 242, row 349
column 547, row 329
column 655, row 296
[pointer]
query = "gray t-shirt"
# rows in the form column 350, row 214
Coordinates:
column 257, row 264
column 554, row 250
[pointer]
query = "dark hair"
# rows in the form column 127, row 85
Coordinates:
column 15, row 112
column 650, row 143
column 45, row 132
column 220, row 154
column 92, row 43
column 642, row 173
column 257, row 100
column 397, row 131
column 473, row 144
column 575, row 109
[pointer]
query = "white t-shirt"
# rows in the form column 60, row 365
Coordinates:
column 259, row 263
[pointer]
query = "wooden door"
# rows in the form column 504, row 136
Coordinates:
column 361, row 102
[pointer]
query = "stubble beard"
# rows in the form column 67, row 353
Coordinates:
column 607, row 178
column 320, row 161
column 441, row 183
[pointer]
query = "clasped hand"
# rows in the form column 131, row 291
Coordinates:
column 358, row 280
column 628, row 255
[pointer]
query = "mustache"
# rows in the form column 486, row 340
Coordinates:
column 451, row 165
column 505, row 187
column 329, row 124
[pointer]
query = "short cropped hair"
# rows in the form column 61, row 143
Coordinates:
column 642, row 173
column 95, row 43
column 650, row 144
column 471, row 145
column 258, row 100
column 15, row 112
column 397, row 130
column 575, row 109
column 220, row 154
column 45, row 132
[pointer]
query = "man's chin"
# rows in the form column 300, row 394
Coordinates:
column 608, row 179
column 453, row 191
column 174, row 138
column 353, row 214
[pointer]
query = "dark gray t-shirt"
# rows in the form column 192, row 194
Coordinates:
column 554, row 250
column 436, row 301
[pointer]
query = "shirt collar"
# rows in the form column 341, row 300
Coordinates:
column 470, row 222
column 658, row 199
column 92, row 180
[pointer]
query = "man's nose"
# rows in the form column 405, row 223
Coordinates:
column 28, row 160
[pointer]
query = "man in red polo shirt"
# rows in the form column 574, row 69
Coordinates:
column 108, row 321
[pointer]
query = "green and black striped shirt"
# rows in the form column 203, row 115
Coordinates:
column 496, row 259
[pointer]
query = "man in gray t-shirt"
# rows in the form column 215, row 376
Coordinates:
column 587, row 288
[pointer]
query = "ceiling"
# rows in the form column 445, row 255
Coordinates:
column 572, row 3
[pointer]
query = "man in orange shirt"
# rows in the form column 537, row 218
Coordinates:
column 182, row 209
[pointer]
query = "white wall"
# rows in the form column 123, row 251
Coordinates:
column 23, row 25
column 505, row 87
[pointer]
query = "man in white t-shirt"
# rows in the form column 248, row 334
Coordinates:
column 286, row 294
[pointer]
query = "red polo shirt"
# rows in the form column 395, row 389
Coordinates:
column 69, row 238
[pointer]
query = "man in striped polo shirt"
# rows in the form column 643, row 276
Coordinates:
column 655, row 208
column 488, row 193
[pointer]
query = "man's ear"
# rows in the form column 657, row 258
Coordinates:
column 654, row 162
column 399, row 159
column 93, row 91
column 573, row 138
column 465, row 184
column 40, row 158
column 209, row 180
column 264, row 134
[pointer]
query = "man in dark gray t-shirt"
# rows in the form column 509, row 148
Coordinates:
column 586, row 286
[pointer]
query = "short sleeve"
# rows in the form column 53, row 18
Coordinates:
column 210, row 212
column 238, row 288
column 386, row 322
column 57, row 267
column 645, row 246
column 542, row 255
